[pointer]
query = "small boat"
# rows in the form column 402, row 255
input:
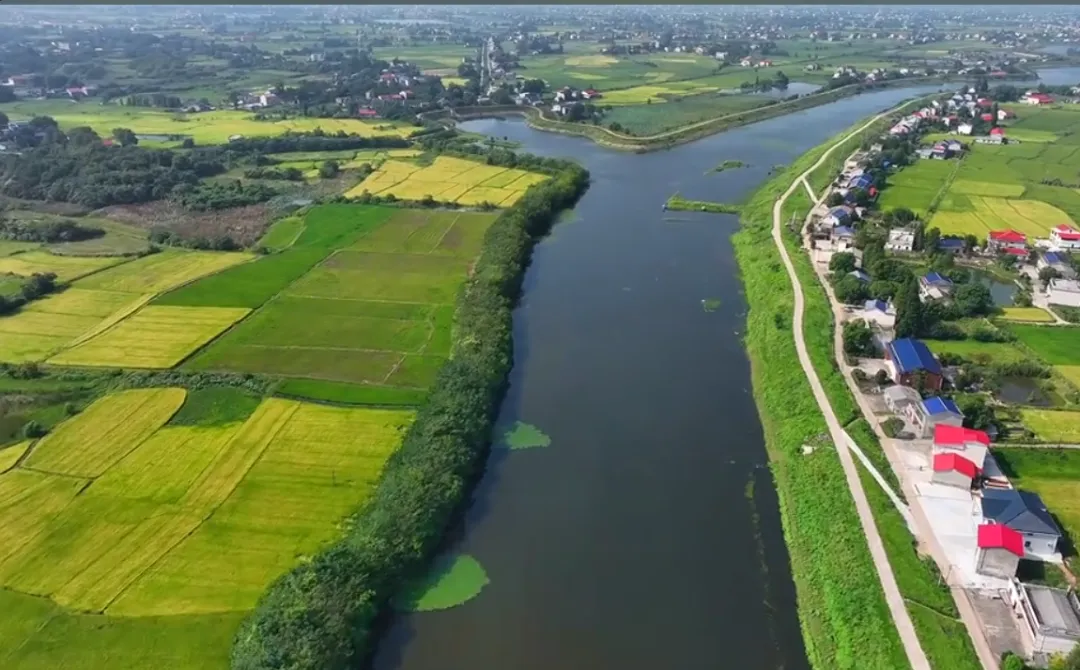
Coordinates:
column 663, row 207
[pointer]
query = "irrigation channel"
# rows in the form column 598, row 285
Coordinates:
column 647, row 535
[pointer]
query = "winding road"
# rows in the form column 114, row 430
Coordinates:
column 916, row 656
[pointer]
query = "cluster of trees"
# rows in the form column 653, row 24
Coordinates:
column 286, row 174
column 32, row 288
column 46, row 232
column 205, row 196
column 171, row 239
column 320, row 615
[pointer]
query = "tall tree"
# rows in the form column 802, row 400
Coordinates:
column 908, row 310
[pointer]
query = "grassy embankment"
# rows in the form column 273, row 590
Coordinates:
column 844, row 618
column 615, row 140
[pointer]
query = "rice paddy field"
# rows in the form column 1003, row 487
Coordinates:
column 95, row 310
column 1027, row 315
column 1052, row 426
column 372, row 308
column 205, row 128
column 133, row 540
column 973, row 350
column 997, row 187
column 1054, row 344
column 449, row 179
column 1054, row 474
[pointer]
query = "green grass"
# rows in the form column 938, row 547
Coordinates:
column 679, row 203
column 351, row 394
column 844, row 619
column 978, row 352
column 524, row 436
column 1052, row 426
column 650, row 119
column 1053, row 344
column 215, row 406
column 282, row 233
column 451, row 581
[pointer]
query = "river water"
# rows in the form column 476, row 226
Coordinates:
column 647, row 535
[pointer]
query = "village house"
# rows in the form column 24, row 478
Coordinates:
column 1000, row 551
column 998, row 241
column 932, row 412
column 974, row 445
column 1033, row 98
column 1004, row 114
column 908, row 359
column 858, row 274
column 1064, row 292
column 952, row 469
column 900, row 239
column 879, row 313
column 838, row 216
column 951, row 245
column 899, row 398
column 963, row 129
column 934, row 286
column 1055, row 260
column 1063, row 236
column 1024, row 512
column 1049, row 617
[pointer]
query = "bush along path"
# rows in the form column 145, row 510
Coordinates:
column 913, row 649
column 321, row 615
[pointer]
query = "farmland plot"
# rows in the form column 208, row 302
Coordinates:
column 377, row 312
column 157, row 336
column 66, row 268
column 1031, row 217
column 449, row 180
column 163, row 271
column 171, row 520
column 1055, row 345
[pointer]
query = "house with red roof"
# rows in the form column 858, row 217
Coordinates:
column 998, row 241
column 1000, row 550
column 958, row 437
column 987, row 116
column 366, row 113
column 997, row 130
column 1038, row 99
column 590, row 93
column 1065, row 237
column 952, row 469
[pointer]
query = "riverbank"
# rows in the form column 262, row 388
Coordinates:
column 342, row 591
column 930, row 606
column 611, row 139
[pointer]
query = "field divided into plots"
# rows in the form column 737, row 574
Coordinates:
column 97, row 309
column 375, row 310
column 449, row 179
column 138, row 529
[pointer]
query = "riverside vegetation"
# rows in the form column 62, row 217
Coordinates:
column 322, row 613
column 842, row 611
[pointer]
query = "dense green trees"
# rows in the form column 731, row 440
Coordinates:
column 47, row 232
column 858, row 338
column 319, row 615
column 909, row 321
column 32, row 288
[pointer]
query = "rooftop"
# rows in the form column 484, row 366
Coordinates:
column 947, row 462
column 909, row 355
column 938, row 405
column 936, row 278
column 876, row 305
column 1007, row 236
column 1020, row 510
column 1055, row 610
column 958, row 435
column 997, row 536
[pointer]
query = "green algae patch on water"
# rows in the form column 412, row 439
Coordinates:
column 451, row 581
column 710, row 304
column 524, row 436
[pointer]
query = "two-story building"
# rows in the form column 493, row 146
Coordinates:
column 909, row 359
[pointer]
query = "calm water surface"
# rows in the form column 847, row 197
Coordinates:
column 631, row 543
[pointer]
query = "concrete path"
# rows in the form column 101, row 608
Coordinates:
column 915, row 654
column 899, row 504
column 809, row 190
column 918, row 521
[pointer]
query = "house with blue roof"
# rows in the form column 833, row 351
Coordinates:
column 838, row 216
column 1057, row 261
column 908, row 360
column 880, row 313
column 1024, row 512
column 934, row 411
column 934, row 286
column 951, row 245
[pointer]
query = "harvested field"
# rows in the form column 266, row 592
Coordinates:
column 243, row 224
column 157, row 336
column 449, row 180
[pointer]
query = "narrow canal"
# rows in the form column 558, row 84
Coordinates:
column 647, row 535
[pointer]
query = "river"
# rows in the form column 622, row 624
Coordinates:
column 632, row 541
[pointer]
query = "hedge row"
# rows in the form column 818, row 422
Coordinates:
column 320, row 615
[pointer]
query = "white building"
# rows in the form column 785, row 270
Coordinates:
column 964, row 129
column 1065, row 237
column 1049, row 618
column 879, row 313
column 1065, row 292
column 900, row 239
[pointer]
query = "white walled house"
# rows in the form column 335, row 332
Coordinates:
column 1064, row 292
column 1000, row 551
column 1049, row 618
column 1065, row 237
column 900, row 239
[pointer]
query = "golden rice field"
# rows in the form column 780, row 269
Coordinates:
column 449, row 180
column 1028, row 314
column 10, row 455
column 205, row 128
column 1069, row 372
column 1031, row 217
column 66, row 268
column 118, row 513
column 156, row 336
column 99, row 302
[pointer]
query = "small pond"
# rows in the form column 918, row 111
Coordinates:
column 1002, row 292
column 1023, row 391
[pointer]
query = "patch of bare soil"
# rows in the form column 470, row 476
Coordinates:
column 245, row 225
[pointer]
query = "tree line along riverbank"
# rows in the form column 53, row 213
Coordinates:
column 842, row 612
column 325, row 613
